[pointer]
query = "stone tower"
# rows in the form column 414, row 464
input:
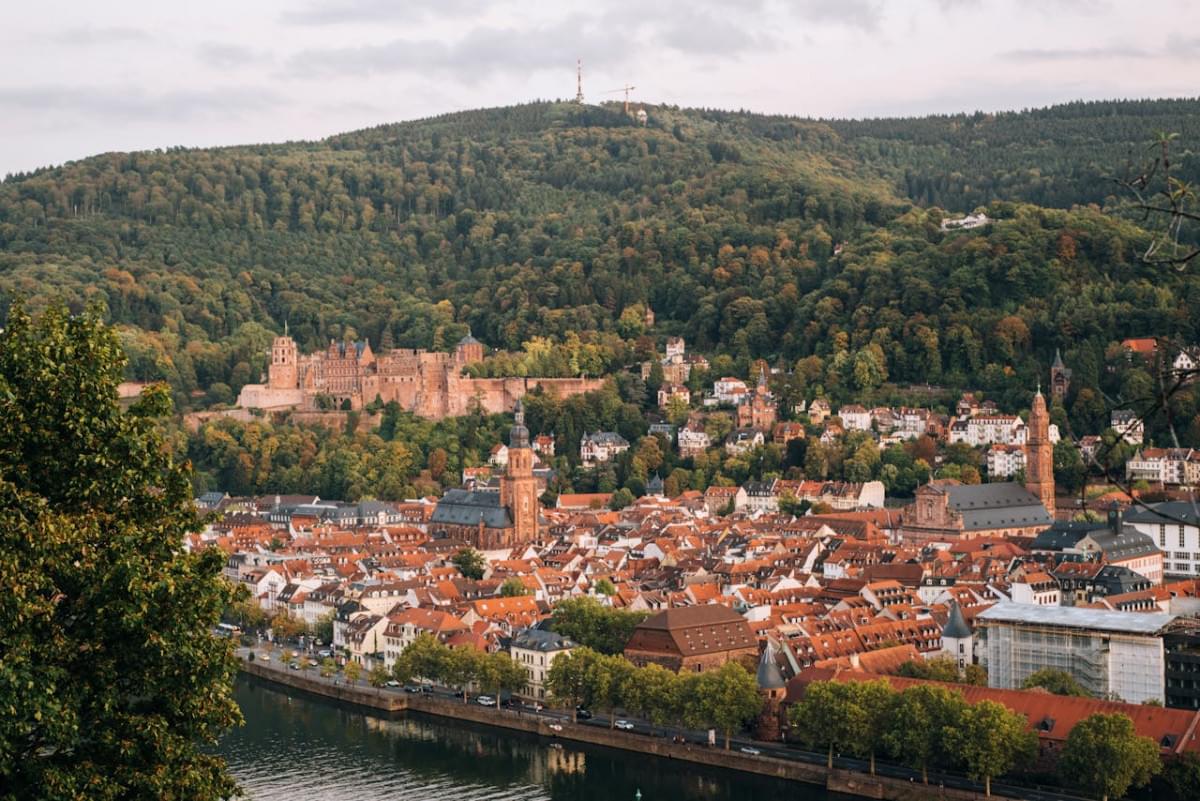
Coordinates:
column 1039, row 454
column 958, row 641
column 1060, row 377
column 518, row 487
column 468, row 351
column 283, row 373
column 772, row 688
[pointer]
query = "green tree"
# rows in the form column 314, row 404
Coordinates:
column 567, row 678
column 650, row 693
column 732, row 693
column 111, row 677
column 1180, row 779
column 513, row 587
column 990, row 740
column 352, row 671
column 378, row 676
column 286, row 627
column 460, row 667
column 1059, row 682
column 605, row 587
column 875, row 699
column 328, row 667
column 469, row 562
column 588, row 622
column 920, row 715
column 1104, row 756
column 830, row 715
column 323, row 628
column 605, row 683
column 498, row 673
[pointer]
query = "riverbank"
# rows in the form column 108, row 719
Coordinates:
column 391, row 702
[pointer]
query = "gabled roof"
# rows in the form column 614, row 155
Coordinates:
column 469, row 508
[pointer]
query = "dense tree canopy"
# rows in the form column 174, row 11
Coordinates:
column 111, row 677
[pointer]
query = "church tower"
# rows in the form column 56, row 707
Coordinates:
column 518, row 487
column 1039, row 454
column 283, row 372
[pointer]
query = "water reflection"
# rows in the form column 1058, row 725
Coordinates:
column 293, row 746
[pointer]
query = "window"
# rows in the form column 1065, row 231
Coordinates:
column 1162, row 535
column 1182, row 542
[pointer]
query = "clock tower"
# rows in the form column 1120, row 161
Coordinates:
column 518, row 487
column 1039, row 454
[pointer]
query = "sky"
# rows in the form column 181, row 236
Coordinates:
column 78, row 78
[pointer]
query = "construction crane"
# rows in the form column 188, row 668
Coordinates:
column 626, row 89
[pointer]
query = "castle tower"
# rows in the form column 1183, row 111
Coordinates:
column 958, row 641
column 469, row 350
column 283, row 372
column 1060, row 377
column 772, row 688
column 1039, row 454
column 518, row 487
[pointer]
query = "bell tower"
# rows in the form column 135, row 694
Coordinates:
column 518, row 487
column 1039, row 454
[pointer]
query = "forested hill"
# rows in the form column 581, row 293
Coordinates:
column 751, row 235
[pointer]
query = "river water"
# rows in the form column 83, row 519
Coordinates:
column 299, row 748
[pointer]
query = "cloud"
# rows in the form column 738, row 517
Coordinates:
column 89, row 35
column 704, row 34
column 226, row 56
column 366, row 11
column 483, row 52
column 1075, row 54
column 1182, row 47
column 863, row 14
column 123, row 104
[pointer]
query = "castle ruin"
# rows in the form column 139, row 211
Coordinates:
column 427, row 383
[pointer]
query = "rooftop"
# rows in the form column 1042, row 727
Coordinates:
column 1075, row 618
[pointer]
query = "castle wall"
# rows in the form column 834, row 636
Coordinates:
column 426, row 383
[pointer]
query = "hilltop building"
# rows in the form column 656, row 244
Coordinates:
column 1060, row 378
column 427, row 383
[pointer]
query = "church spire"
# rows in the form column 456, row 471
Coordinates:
column 518, row 435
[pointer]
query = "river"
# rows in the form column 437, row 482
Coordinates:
column 297, row 747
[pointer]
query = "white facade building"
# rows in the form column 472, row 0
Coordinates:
column 1175, row 529
column 1117, row 655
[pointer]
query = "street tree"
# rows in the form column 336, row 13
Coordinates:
column 352, row 671
column 605, row 683
column 460, row 667
column 498, row 673
column 378, row 676
column 732, row 693
column 1104, row 756
column 874, row 699
column 111, row 680
column 919, row 717
column 990, row 740
column 830, row 715
column 650, row 692
column 567, row 678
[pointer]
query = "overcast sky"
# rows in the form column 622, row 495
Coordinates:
column 82, row 78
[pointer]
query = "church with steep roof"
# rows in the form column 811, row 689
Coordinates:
column 490, row 520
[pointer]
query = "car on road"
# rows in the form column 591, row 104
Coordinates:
column 555, row 727
column 265, row 657
column 294, row 666
column 485, row 700
column 391, row 683
column 582, row 714
column 751, row 751
column 624, row 725
column 313, row 663
column 411, row 688
column 325, row 654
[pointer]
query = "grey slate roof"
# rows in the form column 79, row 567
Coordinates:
column 956, row 625
column 1171, row 512
column 466, row 508
column 541, row 640
column 1148, row 623
column 1130, row 543
column 1064, row 534
column 997, row 505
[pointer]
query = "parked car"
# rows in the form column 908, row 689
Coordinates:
column 325, row 654
column 426, row 688
column 391, row 683
column 294, row 666
column 554, row 727
column 485, row 700
column 582, row 714
column 411, row 688
column 751, row 751
column 313, row 663
column 265, row 657
column 624, row 725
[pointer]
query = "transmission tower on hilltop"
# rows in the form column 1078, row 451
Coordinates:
column 579, row 81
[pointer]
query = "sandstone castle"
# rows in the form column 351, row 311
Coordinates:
column 426, row 383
